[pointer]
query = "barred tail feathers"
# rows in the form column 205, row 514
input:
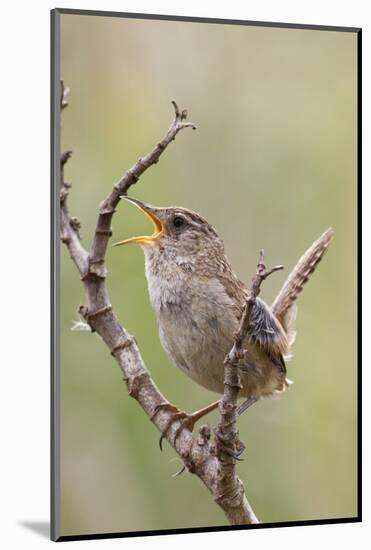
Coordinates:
column 284, row 306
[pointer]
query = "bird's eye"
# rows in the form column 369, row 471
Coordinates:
column 178, row 222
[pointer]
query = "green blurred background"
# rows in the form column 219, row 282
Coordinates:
column 272, row 164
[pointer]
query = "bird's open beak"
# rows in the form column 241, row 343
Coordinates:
column 149, row 211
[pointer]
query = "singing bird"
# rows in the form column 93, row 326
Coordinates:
column 199, row 301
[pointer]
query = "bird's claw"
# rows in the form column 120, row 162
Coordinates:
column 188, row 421
column 233, row 453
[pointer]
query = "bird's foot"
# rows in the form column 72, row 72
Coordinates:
column 188, row 420
column 224, row 446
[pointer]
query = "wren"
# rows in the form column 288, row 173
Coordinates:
column 199, row 301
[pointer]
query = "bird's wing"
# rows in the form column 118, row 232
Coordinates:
column 265, row 330
column 268, row 333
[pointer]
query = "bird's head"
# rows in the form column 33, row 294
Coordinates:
column 179, row 232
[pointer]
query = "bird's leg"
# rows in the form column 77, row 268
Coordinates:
column 240, row 447
column 246, row 404
column 188, row 420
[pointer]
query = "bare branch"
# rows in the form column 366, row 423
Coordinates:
column 228, row 446
column 197, row 453
column 107, row 208
column 69, row 226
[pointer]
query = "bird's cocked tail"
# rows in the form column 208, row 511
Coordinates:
column 284, row 306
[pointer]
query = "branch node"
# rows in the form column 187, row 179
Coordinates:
column 106, row 208
column 134, row 384
column 76, row 225
column 123, row 345
column 96, row 270
column 236, row 384
column 107, row 232
column 89, row 316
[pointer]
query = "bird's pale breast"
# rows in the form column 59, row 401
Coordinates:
column 197, row 323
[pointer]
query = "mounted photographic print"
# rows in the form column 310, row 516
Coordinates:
column 204, row 274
